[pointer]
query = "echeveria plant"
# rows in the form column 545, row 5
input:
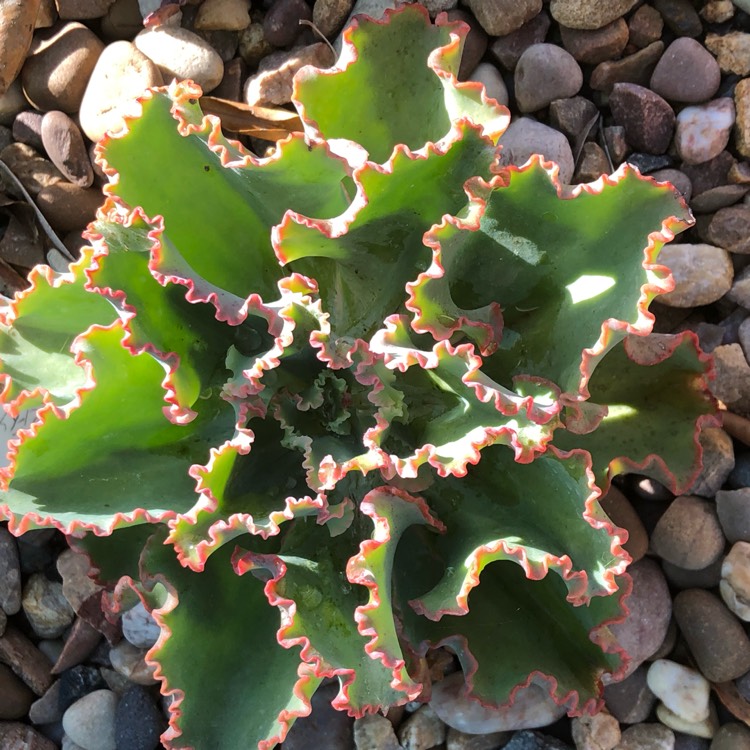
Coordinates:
column 329, row 410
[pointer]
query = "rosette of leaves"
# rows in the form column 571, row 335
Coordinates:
column 329, row 410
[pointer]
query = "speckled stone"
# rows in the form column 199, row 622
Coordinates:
column 138, row 722
column 503, row 17
column 648, row 119
column 508, row 49
column 10, row 574
column 702, row 273
column 703, row 131
column 45, row 606
column 582, row 14
column 742, row 122
column 730, row 228
column 636, row 68
column 733, row 508
column 718, row 459
column 732, row 51
column 90, row 721
column 647, row 737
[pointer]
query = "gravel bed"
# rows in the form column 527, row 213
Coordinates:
column 663, row 85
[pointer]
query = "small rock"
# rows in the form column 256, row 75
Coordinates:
column 689, row 534
column 598, row 732
column 732, row 51
column 46, row 709
column 702, row 274
column 90, row 721
column 572, row 116
column 329, row 15
column 733, row 736
column 715, row 636
column 677, row 179
column 648, row 163
column 636, row 68
column 17, row 736
column 645, row 26
column 253, row 46
column 456, row 740
column 718, row 460
column 16, row 32
column 422, row 730
column 730, row 229
column 740, row 293
column 47, row 14
column 68, row 207
column 64, row 145
column 281, row 24
column 703, row 131
column 181, row 54
column 508, row 49
column 272, row 84
column 742, row 122
column 504, row 16
column 130, row 662
column 123, row 20
column 12, row 103
column 15, row 697
column 79, row 645
column 77, row 682
column 122, row 73
column 711, row 174
column 532, row 707
column 682, row 578
column 45, row 607
column 325, row 727
column 647, row 737
column 59, row 66
column 26, row 660
column 139, row 627
column 10, row 574
column 614, row 137
column 74, row 568
column 680, row 17
column 592, row 163
column 732, row 382
column 650, row 608
column 705, row 728
column 580, row 14
column 735, row 580
column 223, row 15
column 77, row 10
column 375, row 732
column 138, row 722
column 733, row 508
column 596, row 46
column 27, row 128
column 528, row 740
column 525, row 137
column 682, row 690
column 648, row 120
column 489, row 76
column 686, row 72
column 631, row 700
column 544, row 73
column 718, row 197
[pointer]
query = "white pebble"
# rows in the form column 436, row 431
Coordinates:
column 683, row 691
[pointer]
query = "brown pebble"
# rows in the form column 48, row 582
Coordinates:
column 27, row 128
column 714, row 635
column 635, row 68
column 26, row 660
column 76, row 10
column 67, row 207
column 15, row 696
column 16, row 32
column 281, row 25
column 730, row 229
column 503, row 17
column 645, row 26
column 17, row 736
column 686, row 72
column 596, row 46
column 710, row 174
column 64, row 145
column 329, row 15
column 680, row 16
column 81, row 642
column 630, row 701
column 572, row 115
column 682, row 578
column 508, row 49
column 623, row 514
column 648, row 119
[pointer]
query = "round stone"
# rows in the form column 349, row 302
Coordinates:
column 689, row 534
column 583, row 14
column 15, row 697
column 494, row 85
column 735, row 580
column 702, row 274
column 647, row 737
column 648, row 120
column 223, row 15
column 139, row 627
column 733, row 508
column 544, row 73
column 715, row 636
column 732, row 736
column 63, row 142
column 502, row 17
column 68, row 207
column 686, row 72
column 16, row 32
column 631, row 700
column 730, row 229
column 90, row 721
column 281, row 24
column 623, row 514
column 683, row 691
column 138, row 722
column 703, row 131
column 45, row 607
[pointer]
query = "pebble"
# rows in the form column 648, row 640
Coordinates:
column 598, row 732
column 45, row 607
column 46, row 709
column 732, row 382
column 525, row 137
column 730, row 229
column 682, row 578
column 329, row 15
column 12, row 102
column 718, row 197
column 718, row 461
column 59, row 66
column 614, row 137
column 138, row 722
column 742, row 122
column 17, row 736
column 79, row 9
column 630, row 701
column 732, row 51
column 682, row 690
column 648, row 119
column 90, row 721
column 733, row 508
column 717, row 641
column 79, row 645
column 26, row 660
column 680, row 17
column 16, row 32
column 572, row 116
column 121, row 74
column 527, row 740
column 181, row 54
column 130, row 662
column 705, row 728
column 223, row 15
column 68, row 207
column 503, row 17
column 544, row 73
column 139, row 627
column 595, row 46
column 686, row 72
column 123, row 20
column 10, row 574
column 635, row 68
column 740, row 293
column 375, row 732
column 643, row 630
column 582, row 14
column 717, row 11
column 27, row 128
column 489, row 76
column 689, row 534
column 645, row 26
column 15, row 696
column 253, row 46
column 532, row 707
column 456, row 740
column 73, row 568
column 622, row 514
column 703, row 131
column 422, row 730
column 281, row 23
column 732, row 736
column 702, row 274
column 677, row 179
column 64, row 145
column 647, row 737
column 77, row 682
column 735, row 580
column 508, row 49
column 272, row 84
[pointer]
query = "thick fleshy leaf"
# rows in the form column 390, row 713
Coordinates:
column 172, row 153
column 237, row 688
column 573, row 274
column 655, row 395
column 112, row 458
column 361, row 100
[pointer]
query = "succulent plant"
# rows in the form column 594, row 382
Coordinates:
column 327, row 411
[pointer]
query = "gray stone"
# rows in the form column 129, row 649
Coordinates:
column 544, row 73
column 90, row 721
column 702, row 273
column 456, row 740
column 732, row 382
column 581, row 14
column 45, row 607
column 375, row 732
column 647, row 737
column 682, row 578
column 508, row 49
column 730, row 229
column 422, row 730
column 686, row 72
column 139, row 627
column 733, row 507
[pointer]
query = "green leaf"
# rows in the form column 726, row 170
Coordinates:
column 655, row 395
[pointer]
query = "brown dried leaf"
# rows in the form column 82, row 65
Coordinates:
column 266, row 123
column 734, row 703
